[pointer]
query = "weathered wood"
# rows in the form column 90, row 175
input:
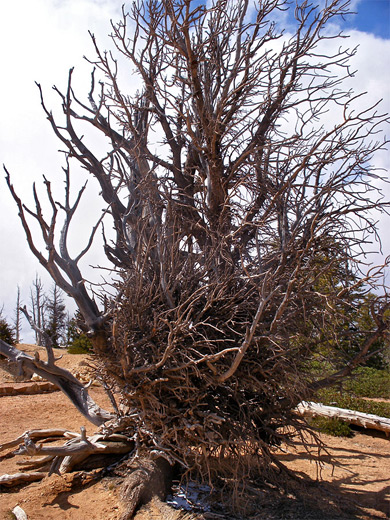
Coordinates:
column 75, row 450
column 35, row 463
column 62, row 378
column 19, row 513
column 366, row 420
column 20, row 478
column 27, row 388
column 111, row 447
column 146, row 478
column 39, row 434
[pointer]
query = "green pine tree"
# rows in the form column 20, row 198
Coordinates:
column 55, row 308
column 7, row 333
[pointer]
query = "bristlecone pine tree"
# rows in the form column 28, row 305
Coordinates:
column 239, row 165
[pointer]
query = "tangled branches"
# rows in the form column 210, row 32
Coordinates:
column 212, row 381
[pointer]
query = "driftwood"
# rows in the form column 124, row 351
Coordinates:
column 36, row 464
column 107, row 447
column 75, row 450
column 366, row 420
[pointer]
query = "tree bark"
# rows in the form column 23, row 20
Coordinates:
column 146, row 479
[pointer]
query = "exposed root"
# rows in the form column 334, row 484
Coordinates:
column 146, row 479
column 156, row 509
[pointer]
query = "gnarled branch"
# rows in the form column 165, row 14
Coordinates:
column 62, row 378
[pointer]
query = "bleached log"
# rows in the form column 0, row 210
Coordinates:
column 27, row 388
column 20, row 478
column 80, row 444
column 36, row 463
column 111, row 448
column 366, row 420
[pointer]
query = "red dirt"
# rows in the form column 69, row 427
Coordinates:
column 359, row 477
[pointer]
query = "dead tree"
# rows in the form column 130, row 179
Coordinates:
column 237, row 181
column 17, row 319
column 38, row 307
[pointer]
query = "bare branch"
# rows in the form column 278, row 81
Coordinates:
column 62, row 378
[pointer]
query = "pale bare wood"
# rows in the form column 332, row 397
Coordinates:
column 19, row 513
column 366, row 420
column 38, row 434
column 34, row 464
column 111, row 447
column 80, row 444
column 62, row 378
column 75, row 450
column 20, row 478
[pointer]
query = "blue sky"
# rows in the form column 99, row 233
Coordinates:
column 369, row 16
column 372, row 16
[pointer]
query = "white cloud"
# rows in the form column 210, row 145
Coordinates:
column 373, row 77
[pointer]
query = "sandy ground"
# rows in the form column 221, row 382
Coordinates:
column 356, row 484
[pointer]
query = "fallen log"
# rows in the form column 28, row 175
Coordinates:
column 366, row 420
column 76, row 449
column 27, row 388
column 21, row 478
column 35, row 464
